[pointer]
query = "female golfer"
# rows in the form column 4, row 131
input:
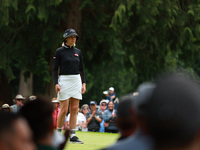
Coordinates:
column 71, row 84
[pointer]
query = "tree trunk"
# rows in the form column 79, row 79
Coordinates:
column 74, row 17
column 50, row 93
column 5, row 90
column 26, row 85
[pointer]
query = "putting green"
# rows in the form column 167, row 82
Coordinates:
column 92, row 141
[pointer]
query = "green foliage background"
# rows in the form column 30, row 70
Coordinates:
column 124, row 42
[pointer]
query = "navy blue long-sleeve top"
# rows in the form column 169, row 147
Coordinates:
column 70, row 61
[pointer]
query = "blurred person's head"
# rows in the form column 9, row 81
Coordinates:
column 84, row 109
column 111, row 90
column 172, row 112
column 126, row 120
column 93, row 105
column 142, row 96
column 38, row 113
column 6, row 108
column 19, row 100
column 23, row 136
column 103, row 105
column 15, row 133
column 111, row 105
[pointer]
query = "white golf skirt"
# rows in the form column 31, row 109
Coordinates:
column 70, row 86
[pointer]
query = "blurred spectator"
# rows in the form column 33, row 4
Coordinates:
column 107, row 95
column 173, row 113
column 15, row 133
column 32, row 97
column 19, row 103
column 168, row 116
column 103, row 107
column 6, row 108
column 80, row 121
column 109, row 116
column 38, row 113
column 84, row 110
column 94, row 118
column 141, row 139
column 124, row 120
column 112, row 93
column 56, row 111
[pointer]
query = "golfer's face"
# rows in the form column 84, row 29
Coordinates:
column 71, row 40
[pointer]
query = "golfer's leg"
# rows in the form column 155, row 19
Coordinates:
column 74, row 104
column 63, row 111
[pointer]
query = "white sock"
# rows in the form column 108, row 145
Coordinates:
column 72, row 133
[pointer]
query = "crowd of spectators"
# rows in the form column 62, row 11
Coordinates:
column 42, row 121
column 160, row 115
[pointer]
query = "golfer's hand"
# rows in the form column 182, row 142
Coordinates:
column 83, row 90
column 57, row 88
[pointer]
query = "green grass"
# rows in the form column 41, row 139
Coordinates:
column 92, row 141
